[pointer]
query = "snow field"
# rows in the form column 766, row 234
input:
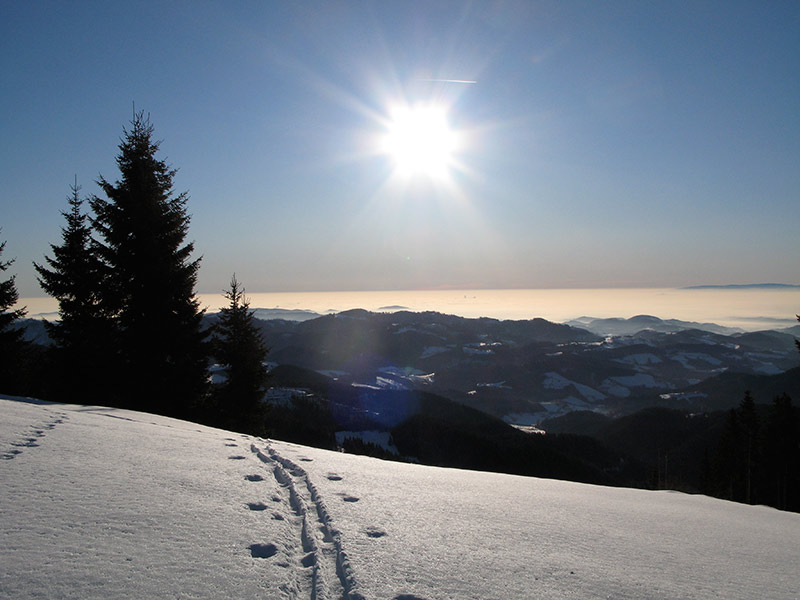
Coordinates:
column 448, row 533
column 118, row 504
column 107, row 503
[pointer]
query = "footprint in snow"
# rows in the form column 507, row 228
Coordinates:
column 28, row 443
column 326, row 534
column 263, row 550
column 255, row 477
column 374, row 532
column 334, row 477
column 256, row 506
column 309, row 560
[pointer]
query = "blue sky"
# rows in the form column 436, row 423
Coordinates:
column 604, row 144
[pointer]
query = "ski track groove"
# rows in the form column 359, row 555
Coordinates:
column 332, row 573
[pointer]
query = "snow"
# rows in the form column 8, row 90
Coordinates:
column 366, row 386
column 432, row 351
column 109, row 503
column 685, row 359
column 218, row 373
column 408, row 374
column 683, row 396
column 768, row 369
column 387, row 383
column 556, row 381
column 641, row 359
column 477, row 350
column 426, row 379
column 398, row 372
column 497, row 384
column 638, row 380
column 614, row 389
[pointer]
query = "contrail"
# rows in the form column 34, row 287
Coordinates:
column 448, row 80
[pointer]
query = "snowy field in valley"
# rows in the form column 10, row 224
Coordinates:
column 108, row 503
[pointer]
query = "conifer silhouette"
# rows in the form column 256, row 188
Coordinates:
column 83, row 354
column 149, row 279
column 12, row 344
column 239, row 348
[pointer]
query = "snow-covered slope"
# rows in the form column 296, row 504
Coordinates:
column 107, row 503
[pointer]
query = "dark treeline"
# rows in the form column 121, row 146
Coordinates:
column 749, row 454
column 130, row 332
column 757, row 458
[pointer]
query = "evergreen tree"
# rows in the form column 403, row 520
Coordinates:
column 73, row 275
column 12, row 344
column 239, row 348
column 782, row 455
column 796, row 341
column 748, row 420
column 149, row 279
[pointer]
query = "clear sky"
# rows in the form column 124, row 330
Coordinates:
column 592, row 144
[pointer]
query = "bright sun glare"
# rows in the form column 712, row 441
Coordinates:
column 420, row 141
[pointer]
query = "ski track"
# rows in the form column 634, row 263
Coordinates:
column 332, row 576
column 32, row 437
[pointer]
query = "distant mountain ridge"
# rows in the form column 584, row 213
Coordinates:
column 633, row 325
column 287, row 314
column 744, row 286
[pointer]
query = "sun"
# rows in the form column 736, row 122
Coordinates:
column 419, row 141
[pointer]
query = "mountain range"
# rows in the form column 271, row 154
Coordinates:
column 526, row 371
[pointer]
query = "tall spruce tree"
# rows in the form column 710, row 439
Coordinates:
column 12, row 344
column 239, row 348
column 81, row 358
column 149, row 279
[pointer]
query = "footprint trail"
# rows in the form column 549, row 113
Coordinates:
column 332, row 576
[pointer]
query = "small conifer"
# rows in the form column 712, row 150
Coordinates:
column 239, row 348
